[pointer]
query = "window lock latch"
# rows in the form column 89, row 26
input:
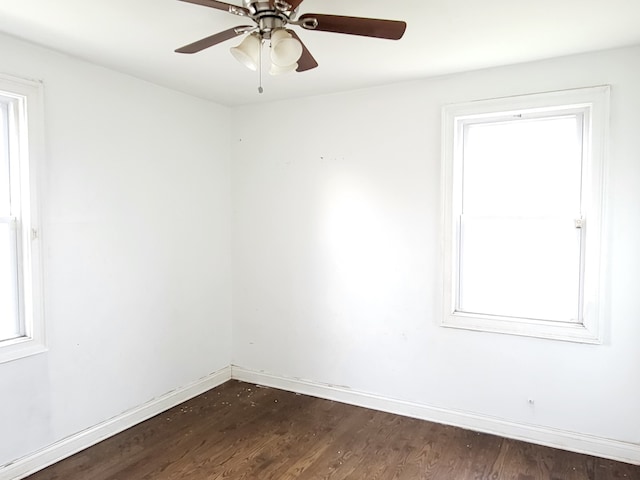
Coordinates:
column 579, row 222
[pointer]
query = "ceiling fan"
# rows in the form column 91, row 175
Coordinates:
column 271, row 18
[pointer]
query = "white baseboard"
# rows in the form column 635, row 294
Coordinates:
column 575, row 442
column 75, row 443
column 601, row 447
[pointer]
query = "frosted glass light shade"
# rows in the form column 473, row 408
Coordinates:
column 277, row 70
column 248, row 52
column 285, row 50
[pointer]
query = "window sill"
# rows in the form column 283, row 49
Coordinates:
column 21, row 347
column 553, row 330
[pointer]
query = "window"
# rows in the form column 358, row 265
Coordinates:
column 523, row 187
column 21, row 320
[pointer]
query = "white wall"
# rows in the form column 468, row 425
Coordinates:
column 336, row 247
column 336, row 237
column 136, row 225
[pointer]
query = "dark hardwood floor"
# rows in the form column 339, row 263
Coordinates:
column 241, row 431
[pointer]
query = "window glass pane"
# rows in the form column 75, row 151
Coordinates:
column 523, row 167
column 9, row 320
column 4, row 162
column 21, row 310
column 520, row 267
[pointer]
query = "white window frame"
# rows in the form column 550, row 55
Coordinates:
column 25, row 101
column 594, row 102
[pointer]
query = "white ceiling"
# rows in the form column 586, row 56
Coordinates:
column 443, row 36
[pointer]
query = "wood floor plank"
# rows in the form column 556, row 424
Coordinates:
column 240, row 431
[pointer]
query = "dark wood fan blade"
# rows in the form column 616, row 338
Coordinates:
column 227, row 7
column 367, row 27
column 214, row 39
column 306, row 61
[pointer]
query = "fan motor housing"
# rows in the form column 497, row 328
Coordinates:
column 255, row 6
column 268, row 17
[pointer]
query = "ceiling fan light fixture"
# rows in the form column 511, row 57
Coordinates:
column 277, row 70
column 285, row 49
column 248, row 52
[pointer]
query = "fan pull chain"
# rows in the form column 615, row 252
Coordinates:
column 260, row 89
